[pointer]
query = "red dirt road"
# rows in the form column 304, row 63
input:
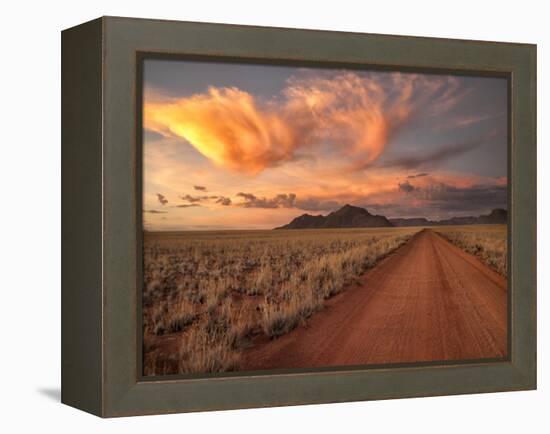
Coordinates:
column 429, row 301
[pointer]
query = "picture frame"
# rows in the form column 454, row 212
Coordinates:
column 101, row 216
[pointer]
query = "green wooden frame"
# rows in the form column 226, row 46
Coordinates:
column 101, row 216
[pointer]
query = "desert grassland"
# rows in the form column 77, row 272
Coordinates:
column 487, row 242
column 207, row 295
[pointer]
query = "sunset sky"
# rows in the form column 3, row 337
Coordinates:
column 240, row 146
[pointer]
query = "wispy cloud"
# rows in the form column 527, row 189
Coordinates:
column 154, row 211
column 187, row 205
column 418, row 175
column 462, row 121
column 199, row 187
column 449, row 97
column 442, row 153
column 356, row 114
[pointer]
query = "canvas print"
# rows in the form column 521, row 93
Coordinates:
column 310, row 217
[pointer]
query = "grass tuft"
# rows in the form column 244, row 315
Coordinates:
column 213, row 291
column 487, row 242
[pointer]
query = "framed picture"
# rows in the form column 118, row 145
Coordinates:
column 258, row 216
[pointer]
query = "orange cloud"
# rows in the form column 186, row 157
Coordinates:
column 354, row 115
column 227, row 127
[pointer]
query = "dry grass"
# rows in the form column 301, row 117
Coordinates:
column 215, row 291
column 487, row 242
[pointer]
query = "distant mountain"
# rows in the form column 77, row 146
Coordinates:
column 421, row 221
column 350, row 216
column 496, row 216
column 305, row 221
column 346, row 217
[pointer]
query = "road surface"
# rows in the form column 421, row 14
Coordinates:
column 429, row 301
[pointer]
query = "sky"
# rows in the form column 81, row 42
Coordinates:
column 246, row 146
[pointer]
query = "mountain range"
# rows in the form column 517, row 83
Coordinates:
column 350, row 216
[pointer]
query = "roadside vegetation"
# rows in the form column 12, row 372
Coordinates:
column 207, row 295
column 487, row 242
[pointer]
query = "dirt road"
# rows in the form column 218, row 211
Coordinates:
column 429, row 301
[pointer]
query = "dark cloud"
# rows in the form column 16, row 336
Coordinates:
column 460, row 199
column 194, row 199
column 187, row 205
column 199, row 187
column 418, row 175
column 225, row 201
column 440, row 201
column 162, row 199
column 289, row 201
column 278, row 201
column 154, row 211
column 429, row 159
column 199, row 199
column 406, row 187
